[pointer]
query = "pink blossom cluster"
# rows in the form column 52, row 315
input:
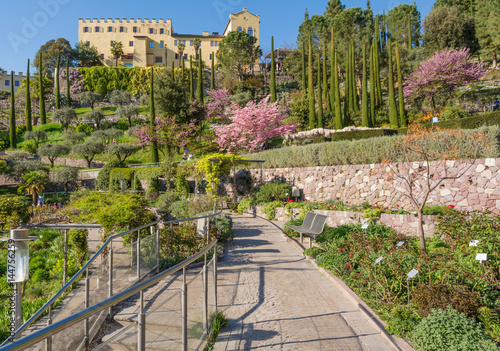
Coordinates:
column 75, row 80
column 217, row 102
column 252, row 125
column 443, row 73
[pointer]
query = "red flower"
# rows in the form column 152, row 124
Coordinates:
column 378, row 207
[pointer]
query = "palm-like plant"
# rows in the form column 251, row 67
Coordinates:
column 180, row 50
column 197, row 45
column 34, row 183
column 117, row 50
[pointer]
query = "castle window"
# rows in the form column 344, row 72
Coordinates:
column 102, row 56
column 130, row 43
column 176, row 56
column 175, row 42
column 250, row 31
column 240, row 29
column 162, row 30
column 97, row 29
column 112, row 42
column 110, row 29
column 16, row 83
column 185, row 56
column 134, row 29
column 85, row 29
column 7, row 82
column 158, row 59
column 162, row 44
column 151, row 44
column 214, row 43
column 122, row 29
column 191, row 43
column 88, row 43
column 210, row 56
column 151, row 30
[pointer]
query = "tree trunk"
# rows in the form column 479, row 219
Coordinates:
column 89, row 162
column 495, row 60
column 421, row 229
column 35, row 198
column 129, row 122
column 51, row 162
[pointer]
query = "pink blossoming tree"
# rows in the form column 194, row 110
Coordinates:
column 438, row 77
column 168, row 135
column 251, row 126
column 217, row 102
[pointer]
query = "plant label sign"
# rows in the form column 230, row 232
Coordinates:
column 378, row 260
column 365, row 226
column 474, row 243
column 401, row 243
column 435, row 119
column 481, row 257
column 412, row 274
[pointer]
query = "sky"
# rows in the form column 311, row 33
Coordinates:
column 28, row 24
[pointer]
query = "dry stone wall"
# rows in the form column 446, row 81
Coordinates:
column 477, row 189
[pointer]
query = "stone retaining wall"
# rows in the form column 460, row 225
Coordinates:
column 406, row 224
column 477, row 189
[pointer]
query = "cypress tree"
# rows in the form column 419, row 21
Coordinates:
column 273, row 73
column 350, row 79
column 182, row 70
column 347, row 87
column 402, row 113
column 338, row 113
column 410, row 41
column 28, row 100
column 377, row 33
column 310, row 92
column 354, row 85
column 384, row 32
column 304, row 84
column 152, row 117
column 68, row 86
column 325, row 79
column 333, row 75
column 372, row 85
column 43, row 115
column 200, row 81
column 364, row 91
column 212, row 75
column 378, row 85
column 12, row 127
column 58, row 91
column 320, row 95
column 191, row 79
column 173, row 71
column 393, row 111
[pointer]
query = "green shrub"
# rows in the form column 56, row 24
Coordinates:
column 179, row 209
column 77, row 241
column 20, row 130
column 40, row 275
column 402, row 321
column 223, row 227
column 452, row 112
column 13, row 211
column 102, row 181
column 28, row 146
column 244, row 205
column 275, row 191
column 122, row 179
column 165, row 201
column 485, row 119
column 269, row 209
column 362, row 134
column 449, row 329
column 49, row 127
column 199, row 205
column 314, row 251
column 84, row 128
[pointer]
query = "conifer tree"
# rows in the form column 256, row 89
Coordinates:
column 338, row 112
column 43, row 115
column 173, row 71
column 58, row 92
column 372, row 85
column 364, row 91
column 325, row 79
column 68, row 86
column 304, row 84
column 333, row 73
column 393, row 112
column 376, row 73
column 384, row 31
column 182, row 71
column 152, row 117
column 191, row 79
column 212, row 75
column 410, row 41
column 29, row 127
column 199, row 88
column 12, row 126
column 402, row 113
column 310, row 92
column 273, row 73
column 320, row 96
column 354, row 84
column 347, row 88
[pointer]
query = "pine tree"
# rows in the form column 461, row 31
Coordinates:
column 364, row 107
column 58, row 92
column 304, row 84
column 320, row 95
column 372, row 85
column 212, row 75
column 402, row 113
column 338, row 111
column 393, row 112
column 325, row 79
column 28, row 100
column 68, row 85
column 191, row 79
column 273, row 73
column 12, row 127
column 43, row 115
column 310, row 92
column 199, row 88
column 152, row 117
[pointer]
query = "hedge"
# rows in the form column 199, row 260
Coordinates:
column 126, row 175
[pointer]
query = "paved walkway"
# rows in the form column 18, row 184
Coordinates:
column 275, row 299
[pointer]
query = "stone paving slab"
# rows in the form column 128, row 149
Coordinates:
column 275, row 298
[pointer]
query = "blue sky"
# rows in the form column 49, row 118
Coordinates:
column 28, row 24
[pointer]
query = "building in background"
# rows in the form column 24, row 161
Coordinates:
column 5, row 81
column 152, row 42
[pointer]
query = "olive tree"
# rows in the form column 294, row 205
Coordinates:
column 122, row 151
column 65, row 116
column 94, row 116
column 71, row 137
column 127, row 112
column 105, row 137
column 37, row 136
column 52, row 152
column 119, row 97
column 90, row 98
column 67, row 177
column 88, row 150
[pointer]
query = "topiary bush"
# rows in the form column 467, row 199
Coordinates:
column 448, row 329
column 102, row 181
column 274, row 191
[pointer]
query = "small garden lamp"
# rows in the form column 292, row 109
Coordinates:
column 409, row 276
column 18, row 268
column 377, row 261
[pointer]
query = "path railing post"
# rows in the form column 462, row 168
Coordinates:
column 48, row 341
column 184, row 311
column 141, row 325
column 87, row 294
column 157, row 249
column 138, row 254
column 110, row 274
column 215, row 276
column 205, row 295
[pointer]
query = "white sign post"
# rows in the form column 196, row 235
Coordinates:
column 377, row 261
column 409, row 276
column 481, row 257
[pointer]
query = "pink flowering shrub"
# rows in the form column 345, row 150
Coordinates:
column 251, row 126
column 217, row 102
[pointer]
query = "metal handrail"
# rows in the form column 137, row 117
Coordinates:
column 72, row 280
column 52, row 329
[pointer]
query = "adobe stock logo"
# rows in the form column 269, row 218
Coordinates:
column 221, row 7
column 31, row 26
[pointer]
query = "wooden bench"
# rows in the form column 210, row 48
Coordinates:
column 312, row 226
